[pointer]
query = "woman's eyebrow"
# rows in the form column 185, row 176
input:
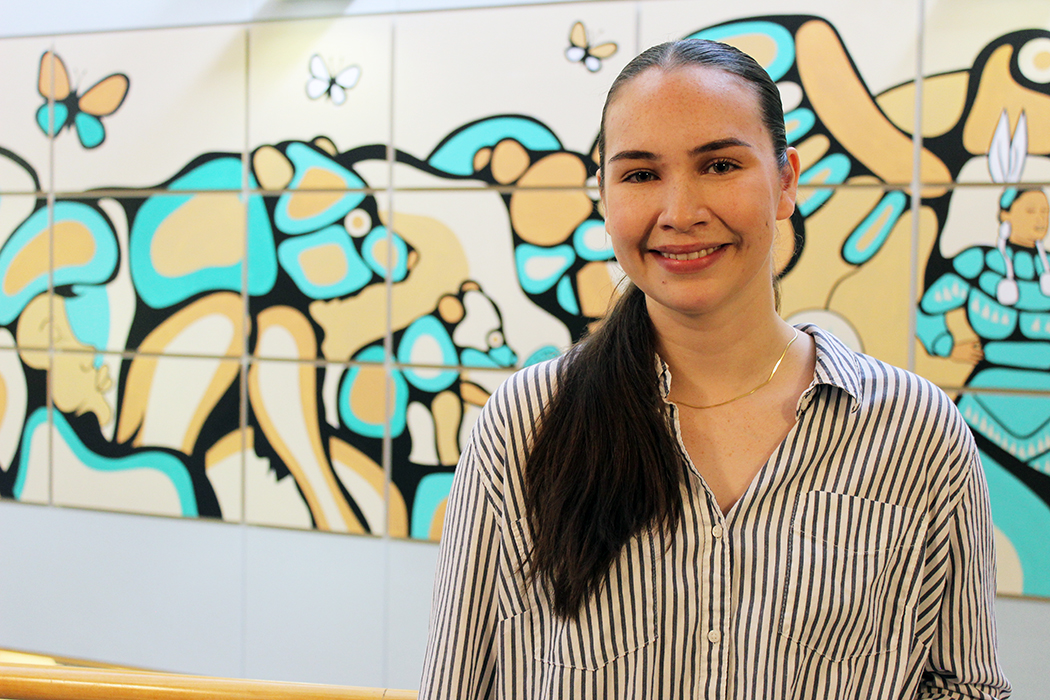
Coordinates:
column 704, row 148
column 719, row 145
column 634, row 155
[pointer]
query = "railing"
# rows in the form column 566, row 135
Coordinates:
column 33, row 682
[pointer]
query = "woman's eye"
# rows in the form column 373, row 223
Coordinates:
column 640, row 176
column 722, row 166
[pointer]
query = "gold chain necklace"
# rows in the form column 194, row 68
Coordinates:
column 737, row 398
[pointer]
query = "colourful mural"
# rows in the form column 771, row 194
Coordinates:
column 300, row 332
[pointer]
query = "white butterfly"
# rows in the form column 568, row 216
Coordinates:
column 322, row 82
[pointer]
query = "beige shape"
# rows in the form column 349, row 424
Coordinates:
column 448, row 415
column 812, row 150
column 839, row 96
column 473, row 394
column 437, row 524
column 438, row 266
column 74, row 246
column 450, row 309
column 820, row 265
column 283, row 398
column 77, row 386
column 323, row 265
column 876, row 299
column 205, row 232
column 193, row 325
column 761, row 47
column 482, row 158
column 273, row 170
column 1009, row 574
column 326, row 144
column 595, row 289
column 943, row 97
column 998, row 91
column 549, row 217
column 305, row 205
column 510, row 160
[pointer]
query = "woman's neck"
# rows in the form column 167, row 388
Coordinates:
column 717, row 356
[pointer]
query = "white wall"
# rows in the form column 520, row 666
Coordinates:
column 234, row 600
column 212, row 598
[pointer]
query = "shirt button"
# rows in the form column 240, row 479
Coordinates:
column 713, row 636
column 716, row 531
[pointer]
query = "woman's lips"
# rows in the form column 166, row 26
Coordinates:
column 691, row 255
column 689, row 261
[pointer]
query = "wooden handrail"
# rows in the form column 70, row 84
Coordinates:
column 25, row 682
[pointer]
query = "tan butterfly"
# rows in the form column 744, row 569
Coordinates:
column 581, row 51
column 66, row 108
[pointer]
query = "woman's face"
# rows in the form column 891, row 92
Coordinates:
column 692, row 190
column 1028, row 218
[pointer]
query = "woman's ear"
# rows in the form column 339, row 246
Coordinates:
column 788, row 184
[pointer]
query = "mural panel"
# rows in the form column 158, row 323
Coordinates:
column 279, row 275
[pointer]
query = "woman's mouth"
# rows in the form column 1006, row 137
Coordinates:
column 690, row 256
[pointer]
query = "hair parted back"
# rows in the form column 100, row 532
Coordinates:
column 603, row 465
column 688, row 53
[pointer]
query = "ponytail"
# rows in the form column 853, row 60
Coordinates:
column 603, row 465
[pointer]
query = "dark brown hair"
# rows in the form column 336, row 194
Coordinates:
column 604, row 465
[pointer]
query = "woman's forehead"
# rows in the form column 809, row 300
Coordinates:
column 699, row 96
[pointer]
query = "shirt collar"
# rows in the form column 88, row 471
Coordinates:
column 836, row 366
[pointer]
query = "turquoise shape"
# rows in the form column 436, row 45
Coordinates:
column 167, row 464
column 262, row 255
column 432, row 490
column 785, row 43
column 988, row 318
column 805, row 118
column 1019, row 353
column 399, row 399
column 89, row 129
column 304, row 159
column 547, row 352
column 1024, row 264
column 357, row 273
column 43, row 117
column 540, row 268
column 95, row 271
column 969, row 263
column 835, row 168
column 455, row 155
column 503, row 356
column 373, row 241
column 88, row 314
column 580, row 241
column 567, row 296
column 160, row 291
column 855, row 250
column 1024, row 518
column 426, row 342
column 495, row 358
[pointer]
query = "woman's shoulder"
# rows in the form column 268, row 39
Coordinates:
column 879, row 385
column 520, row 400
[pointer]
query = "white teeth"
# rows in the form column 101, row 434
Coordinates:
column 690, row 256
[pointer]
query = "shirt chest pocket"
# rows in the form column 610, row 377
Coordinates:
column 615, row 623
column 852, row 576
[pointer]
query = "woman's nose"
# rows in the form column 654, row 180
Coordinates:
column 684, row 207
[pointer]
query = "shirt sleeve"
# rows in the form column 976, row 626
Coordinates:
column 460, row 656
column 962, row 662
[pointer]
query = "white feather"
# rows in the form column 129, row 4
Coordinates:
column 999, row 152
column 1018, row 150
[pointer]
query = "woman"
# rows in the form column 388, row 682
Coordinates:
column 782, row 519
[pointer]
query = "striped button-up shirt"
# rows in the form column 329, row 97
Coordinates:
column 858, row 564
